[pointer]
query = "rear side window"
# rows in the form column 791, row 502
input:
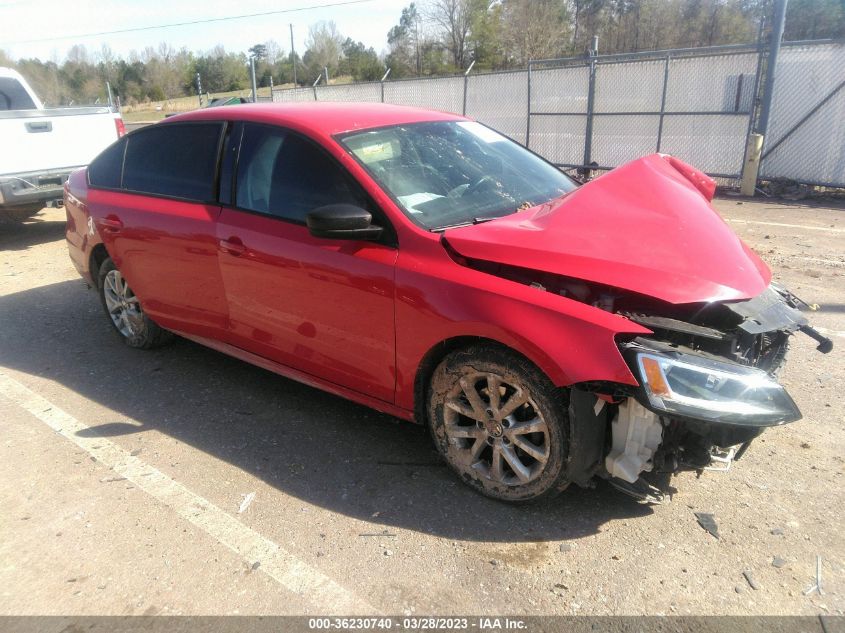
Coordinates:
column 283, row 174
column 175, row 160
column 104, row 171
column 13, row 96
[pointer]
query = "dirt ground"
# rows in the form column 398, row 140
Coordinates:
column 126, row 479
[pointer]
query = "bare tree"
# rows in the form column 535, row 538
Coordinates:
column 453, row 18
column 534, row 29
column 324, row 46
column 273, row 51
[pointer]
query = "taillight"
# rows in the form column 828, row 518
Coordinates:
column 120, row 127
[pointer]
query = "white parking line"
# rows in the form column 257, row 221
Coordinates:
column 826, row 332
column 826, row 229
column 822, row 260
column 325, row 594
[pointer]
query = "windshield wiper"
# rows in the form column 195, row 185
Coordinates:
column 480, row 220
column 437, row 229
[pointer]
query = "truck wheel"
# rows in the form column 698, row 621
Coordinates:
column 125, row 312
column 16, row 215
column 500, row 424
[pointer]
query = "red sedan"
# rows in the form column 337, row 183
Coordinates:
column 424, row 265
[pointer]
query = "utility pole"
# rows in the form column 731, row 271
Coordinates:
column 293, row 56
column 199, row 88
column 252, row 76
column 754, row 147
column 771, row 65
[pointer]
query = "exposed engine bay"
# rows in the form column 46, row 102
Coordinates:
column 707, row 377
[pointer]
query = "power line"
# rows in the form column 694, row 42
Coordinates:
column 205, row 21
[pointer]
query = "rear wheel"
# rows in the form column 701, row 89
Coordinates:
column 499, row 423
column 125, row 311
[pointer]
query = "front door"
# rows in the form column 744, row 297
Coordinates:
column 322, row 306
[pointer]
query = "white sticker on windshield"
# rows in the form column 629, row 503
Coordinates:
column 411, row 201
column 481, row 132
column 375, row 152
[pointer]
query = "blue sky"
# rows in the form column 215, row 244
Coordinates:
column 41, row 19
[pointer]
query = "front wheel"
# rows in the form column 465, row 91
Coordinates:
column 125, row 311
column 499, row 423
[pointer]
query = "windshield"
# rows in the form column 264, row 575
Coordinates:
column 455, row 172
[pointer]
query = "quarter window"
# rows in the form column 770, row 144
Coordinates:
column 283, row 174
column 105, row 170
column 174, row 160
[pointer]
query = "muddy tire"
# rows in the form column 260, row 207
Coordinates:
column 499, row 423
column 124, row 310
column 16, row 215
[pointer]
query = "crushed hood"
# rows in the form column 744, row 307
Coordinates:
column 647, row 227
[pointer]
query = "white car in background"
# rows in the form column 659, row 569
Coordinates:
column 41, row 146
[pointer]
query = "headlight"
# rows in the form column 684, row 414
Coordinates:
column 687, row 385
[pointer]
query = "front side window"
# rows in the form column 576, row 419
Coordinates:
column 283, row 174
column 173, row 159
column 446, row 173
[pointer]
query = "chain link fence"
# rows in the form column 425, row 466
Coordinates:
column 806, row 136
column 499, row 100
column 599, row 112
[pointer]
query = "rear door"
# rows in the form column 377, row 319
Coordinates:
column 159, row 224
column 322, row 306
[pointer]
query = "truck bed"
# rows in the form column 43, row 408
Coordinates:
column 53, row 139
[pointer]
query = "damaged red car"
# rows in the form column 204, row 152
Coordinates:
column 424, row 265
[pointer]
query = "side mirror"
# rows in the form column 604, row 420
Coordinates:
column 342, row 222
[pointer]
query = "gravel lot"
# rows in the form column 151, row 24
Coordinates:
column 133, row 508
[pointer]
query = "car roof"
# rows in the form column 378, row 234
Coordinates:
column 322, row 118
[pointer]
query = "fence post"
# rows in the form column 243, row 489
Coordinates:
column 466, row 81
column 383, row 78
column 528, row 116
column 663, row 102
column 591, row 96
column 314, row 85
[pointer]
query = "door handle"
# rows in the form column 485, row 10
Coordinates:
column 233, row 246
column 111, row 224
column 39, row 126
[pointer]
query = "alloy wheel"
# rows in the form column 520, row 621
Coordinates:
column 495, row 428
column 122, row 305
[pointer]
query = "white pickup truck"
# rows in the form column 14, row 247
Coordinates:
column 39, row 146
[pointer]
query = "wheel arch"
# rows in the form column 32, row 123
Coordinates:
column 98, row 255
column 435, row 355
